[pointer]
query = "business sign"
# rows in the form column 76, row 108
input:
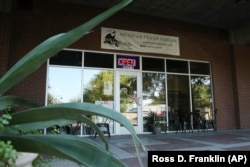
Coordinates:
column 127, row 62
column 118, row 39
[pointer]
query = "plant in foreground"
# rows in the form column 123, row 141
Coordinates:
column 81, row 150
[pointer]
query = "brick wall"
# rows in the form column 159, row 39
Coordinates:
column 242, row 60
column 5, row 27
column 196, row 43
column 28, row 32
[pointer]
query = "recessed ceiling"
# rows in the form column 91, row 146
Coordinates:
column 224, row 14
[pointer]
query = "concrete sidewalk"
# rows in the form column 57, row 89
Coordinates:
column 122, row 146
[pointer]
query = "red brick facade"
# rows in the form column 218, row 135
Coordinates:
column 243, row 81
column 5, row 27
column 25, row 29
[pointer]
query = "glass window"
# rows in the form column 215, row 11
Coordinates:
column 100, row 60
column 64, row 88
column 128, row 97
column 99, row 89
column 98, row 85
column 178, row 100
column 177, row 66
column 154, row 99
column 67, row 58
column 201, row 95
column 199, row 68
column 152, row 64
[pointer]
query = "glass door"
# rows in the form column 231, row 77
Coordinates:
column 128, row 99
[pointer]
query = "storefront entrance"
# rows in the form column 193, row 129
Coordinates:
column 146, row 90
column 128, row 99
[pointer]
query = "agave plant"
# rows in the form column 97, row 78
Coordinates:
column 81, row 150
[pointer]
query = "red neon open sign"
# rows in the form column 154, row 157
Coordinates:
column 126, row 62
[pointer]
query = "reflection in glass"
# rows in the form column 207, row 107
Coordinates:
column 99, row 89
column 64, row 85
column 201, row 95
column 128, row 98
column 154, row 98
column 98, row 85
column 178, row 100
